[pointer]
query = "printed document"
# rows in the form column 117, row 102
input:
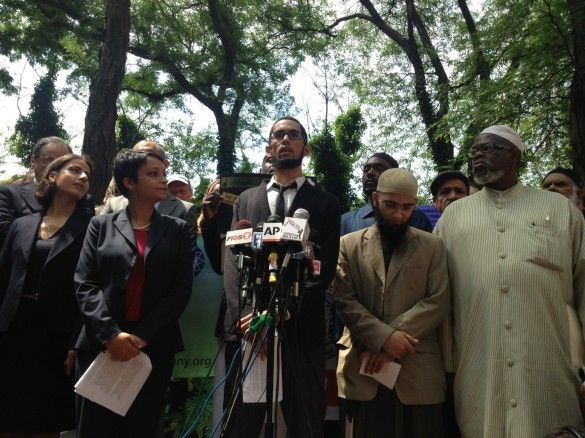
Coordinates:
column 114, row 385
column 387, row 376
column 254, row 386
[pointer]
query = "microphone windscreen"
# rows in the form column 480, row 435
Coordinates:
column 274, row 218
column 301, row 213
column 243, row 224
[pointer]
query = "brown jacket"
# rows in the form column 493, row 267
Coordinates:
column 413, row 296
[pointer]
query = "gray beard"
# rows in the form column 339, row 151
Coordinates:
column 488, row 176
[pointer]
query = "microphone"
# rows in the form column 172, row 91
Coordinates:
column 296, row 232
column 271, row 234
column 239, row 241
column 295, row 229
column 272, row 229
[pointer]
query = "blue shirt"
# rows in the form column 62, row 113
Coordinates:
column 432, row 213
column 364, row 217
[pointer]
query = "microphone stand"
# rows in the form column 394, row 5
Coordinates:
column 277, row 307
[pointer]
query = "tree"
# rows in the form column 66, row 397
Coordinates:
column 333, row 156
column 99, row 137
column 454, row 72
column 577, row 93
column 234, row 57
column 42, row 120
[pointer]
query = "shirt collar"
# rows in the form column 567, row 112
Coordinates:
column 300, row 181
column 366, row 211
column 510, row 194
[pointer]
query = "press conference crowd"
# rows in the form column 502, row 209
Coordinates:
column 477, row 300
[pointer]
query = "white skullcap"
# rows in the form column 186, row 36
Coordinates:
column 507, row 133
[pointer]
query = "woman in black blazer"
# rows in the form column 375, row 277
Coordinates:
column 133, row 281
column 39, row 319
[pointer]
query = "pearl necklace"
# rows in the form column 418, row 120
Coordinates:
column 144, row 227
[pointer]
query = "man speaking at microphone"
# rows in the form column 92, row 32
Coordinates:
column 302, row 343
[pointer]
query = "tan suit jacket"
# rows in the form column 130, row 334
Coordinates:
column 413, row 296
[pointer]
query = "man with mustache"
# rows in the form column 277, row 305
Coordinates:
column 392, row 293
column 448, row 187
column 302, row 333
column 565, row 182
column 364, row 217
column 516, row 258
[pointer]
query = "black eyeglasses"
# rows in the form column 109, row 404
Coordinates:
column 292, row 135
column 487, row 148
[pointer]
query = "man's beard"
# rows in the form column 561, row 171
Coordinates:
column 288, row 163
column 389, row 232
column 488, row 176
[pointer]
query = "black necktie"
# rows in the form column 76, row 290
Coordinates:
column 279, row 208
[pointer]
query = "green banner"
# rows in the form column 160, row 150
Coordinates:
column 198, row 323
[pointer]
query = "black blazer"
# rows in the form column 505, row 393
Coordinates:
column 308, row 327
column 16, row 200
column 57, row 274
column 107, row 258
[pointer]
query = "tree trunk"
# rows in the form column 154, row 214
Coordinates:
column 577, row 94
column 99, row 139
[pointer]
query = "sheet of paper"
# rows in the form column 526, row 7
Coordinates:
column 387, row 376
column 254, row 386
column 114, row 385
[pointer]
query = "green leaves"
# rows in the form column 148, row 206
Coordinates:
column 42, row 120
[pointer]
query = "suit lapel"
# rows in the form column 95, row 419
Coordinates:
column 29, row 238
column 27, row 191
column 373, row 249
column 168, row 205
column 261, row 201
column 74, row 226
column 156, row 232
column 123, row 225
column 401, row 254
column 304, row 193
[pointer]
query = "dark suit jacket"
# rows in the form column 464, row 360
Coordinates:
column 58, row 293
column 107, row 258
column 308, row 327
column 16, row 200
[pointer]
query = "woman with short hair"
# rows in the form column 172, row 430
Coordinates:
column 133, row 281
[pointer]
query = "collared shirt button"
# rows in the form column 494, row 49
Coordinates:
column 513, row 403
column 508, row 325
column 503, row 255
column 500, row 229
column 505, row 289
column 510, row 362
column 499, row 206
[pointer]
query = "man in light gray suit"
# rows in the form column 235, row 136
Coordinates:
column 170, row 206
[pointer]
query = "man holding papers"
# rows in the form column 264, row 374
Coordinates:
column 392, row 293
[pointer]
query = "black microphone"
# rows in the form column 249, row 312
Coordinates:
column 239, row 240
column 297, row 293
column 272, row 230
